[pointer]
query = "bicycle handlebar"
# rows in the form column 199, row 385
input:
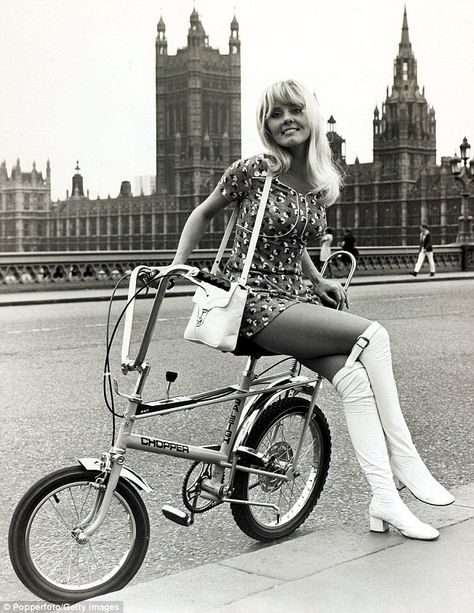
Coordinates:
column 149, row 274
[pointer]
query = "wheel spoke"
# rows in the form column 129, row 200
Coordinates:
column 84, row 502
column 74, row 503
column 57, row 513
column 96, row 562
column 54, row 546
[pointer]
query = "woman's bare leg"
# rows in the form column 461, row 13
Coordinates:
column 309, row 331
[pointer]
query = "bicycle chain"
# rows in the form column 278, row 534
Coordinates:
column 211, row 505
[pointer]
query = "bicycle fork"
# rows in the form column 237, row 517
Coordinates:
column 309, row 415
column 111, row 464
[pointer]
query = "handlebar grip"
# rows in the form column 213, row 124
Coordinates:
column 213, row 280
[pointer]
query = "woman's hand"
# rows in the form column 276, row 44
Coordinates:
column 331, row 293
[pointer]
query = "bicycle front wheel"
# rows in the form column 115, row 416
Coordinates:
column 56, row 565
column 277, row 434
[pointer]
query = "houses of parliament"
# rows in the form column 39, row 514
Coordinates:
column 198, row 135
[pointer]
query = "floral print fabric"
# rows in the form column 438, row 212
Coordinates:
column 291, row 220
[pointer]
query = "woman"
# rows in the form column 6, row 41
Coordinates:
column 326, row 242
column 285, row 316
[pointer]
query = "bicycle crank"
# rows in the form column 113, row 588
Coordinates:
column 194, row 497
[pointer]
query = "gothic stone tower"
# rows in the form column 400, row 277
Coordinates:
column 404, row 136
column 197, row 114
column 25, row 201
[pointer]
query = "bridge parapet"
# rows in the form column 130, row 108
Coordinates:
column 28, row 271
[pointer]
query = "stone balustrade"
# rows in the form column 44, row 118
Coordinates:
column 27, row 271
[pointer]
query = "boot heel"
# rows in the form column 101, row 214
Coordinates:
column 377, row 525
column 398, row 484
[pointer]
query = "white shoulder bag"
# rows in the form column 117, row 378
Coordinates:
column 217, row 313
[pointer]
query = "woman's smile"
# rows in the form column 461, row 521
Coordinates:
column 290, row 130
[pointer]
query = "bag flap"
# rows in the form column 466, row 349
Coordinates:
column 213, row 296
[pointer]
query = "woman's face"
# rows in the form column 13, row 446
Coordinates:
column 288, row 124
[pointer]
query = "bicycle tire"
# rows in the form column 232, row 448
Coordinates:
column 49, row 511
column 302, row 493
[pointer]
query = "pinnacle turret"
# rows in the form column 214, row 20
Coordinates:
column 77, row 183
column 161, row 42
column 234, row 40
column 197, row 36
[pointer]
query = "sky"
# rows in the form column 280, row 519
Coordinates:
column 78, row 77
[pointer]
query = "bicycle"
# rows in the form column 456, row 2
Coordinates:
column 84, row 530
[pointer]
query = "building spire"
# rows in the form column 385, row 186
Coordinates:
column 405, row 70
column 405, row 44
column 161, row 27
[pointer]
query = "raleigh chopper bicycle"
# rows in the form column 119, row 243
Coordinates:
column 84, row 530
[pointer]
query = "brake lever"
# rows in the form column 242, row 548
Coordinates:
column 150, row 278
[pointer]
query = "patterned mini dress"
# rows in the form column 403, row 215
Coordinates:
column 291, row 219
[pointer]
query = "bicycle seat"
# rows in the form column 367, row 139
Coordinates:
column 245, row 346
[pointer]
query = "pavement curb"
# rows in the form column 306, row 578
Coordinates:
column 333, row 568
column 76, row 299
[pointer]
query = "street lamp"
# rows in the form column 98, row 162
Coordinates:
column 465, row 175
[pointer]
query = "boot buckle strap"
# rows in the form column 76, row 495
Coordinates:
column 359, row 346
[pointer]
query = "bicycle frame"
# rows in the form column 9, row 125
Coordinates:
column 248, row 398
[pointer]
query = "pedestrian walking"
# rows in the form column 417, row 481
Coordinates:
column 426, row 250
column 348, row 243
column 325, row 251
column 284, row 315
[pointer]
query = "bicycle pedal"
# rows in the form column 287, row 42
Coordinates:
column 251, row 456
column 179, row 517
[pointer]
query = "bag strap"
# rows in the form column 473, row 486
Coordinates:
column 225, row 239
column 253, row 238
column 256, row 230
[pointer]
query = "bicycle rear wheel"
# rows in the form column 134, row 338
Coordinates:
column 277, row 433
column 55, row 565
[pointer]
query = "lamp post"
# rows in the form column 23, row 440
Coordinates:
column 465, row 175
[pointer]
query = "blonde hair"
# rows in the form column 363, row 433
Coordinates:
column 323, row 175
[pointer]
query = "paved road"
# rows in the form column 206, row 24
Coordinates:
column 52, row 409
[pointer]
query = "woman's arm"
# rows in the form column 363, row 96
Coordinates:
column 197, row 223
column 330, row 292
column 310, row 270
